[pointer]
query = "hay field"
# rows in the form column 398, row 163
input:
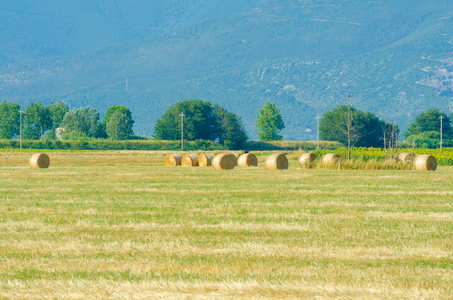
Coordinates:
column 114, row 225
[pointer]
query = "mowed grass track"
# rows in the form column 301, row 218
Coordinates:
column 121, row 225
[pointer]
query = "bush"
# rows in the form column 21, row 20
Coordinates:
column 427, row 139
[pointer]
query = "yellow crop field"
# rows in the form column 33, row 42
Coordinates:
column 119, row 224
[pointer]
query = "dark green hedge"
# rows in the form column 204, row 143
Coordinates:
column 102, row 144
column 109, row 145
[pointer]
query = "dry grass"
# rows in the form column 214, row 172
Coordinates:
column 120, row 225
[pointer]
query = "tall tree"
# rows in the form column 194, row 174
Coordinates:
column 352, row 127
column 37, row 120
column 118, row 108
column 57, row 112
column 200, row 121
column 9, row 119
column 119, row 126
column 343, row 124
column 269, row 123
column 116, row 129
column 430, row 120
column 232, row 134
column 81, row 123
column 390, row 134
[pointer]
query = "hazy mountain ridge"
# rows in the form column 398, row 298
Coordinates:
column 32, row 30
column 394, row 58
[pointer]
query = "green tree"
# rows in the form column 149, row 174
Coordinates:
column 82, row 123
column 200, row 121
column 430, row 121
column 426, row 139
column 118, row 123
column 118, row 108
column 347, row 125
column 57, row 112
column 232, row 134
column 37, row 120
column 269, row 123
column 119, row 126
column 9, row 119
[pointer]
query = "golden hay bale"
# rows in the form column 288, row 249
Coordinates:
column 406, row 158
column 307, row 159
column 225, row 161
column 331, row 159
column 39, row 160
column 205, row 160
column 277, row 162
column 173, row 160
column 238, row 153
column 189, row 160
column 248, row 160
column 425, row 162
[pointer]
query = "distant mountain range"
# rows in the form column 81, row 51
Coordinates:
column 394, row 57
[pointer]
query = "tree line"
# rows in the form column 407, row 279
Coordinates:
column 348, row 125
column 40, row 122
column 203, row 121
column 207, row 121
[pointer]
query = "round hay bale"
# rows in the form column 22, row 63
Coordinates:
column 277, row 162
column 189, row 160
column 225, row 161
column 238, row 153
column 205, row 160
column 406, row 158
column 173, row 160
column 39, row 161
column 307, row 159
column 248, row 160
column 425, row 162
column 331, row 160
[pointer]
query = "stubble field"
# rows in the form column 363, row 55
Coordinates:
column 117, row 225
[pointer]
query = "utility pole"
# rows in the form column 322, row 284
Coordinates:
column 396, row 138
column 441, row 117
column 349, row 127
column 182, row 130
column 317, row 119
column 20, row 132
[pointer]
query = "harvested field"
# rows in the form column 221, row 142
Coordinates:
column 110, row 225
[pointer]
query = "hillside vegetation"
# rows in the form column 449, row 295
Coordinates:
column 394, row 58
